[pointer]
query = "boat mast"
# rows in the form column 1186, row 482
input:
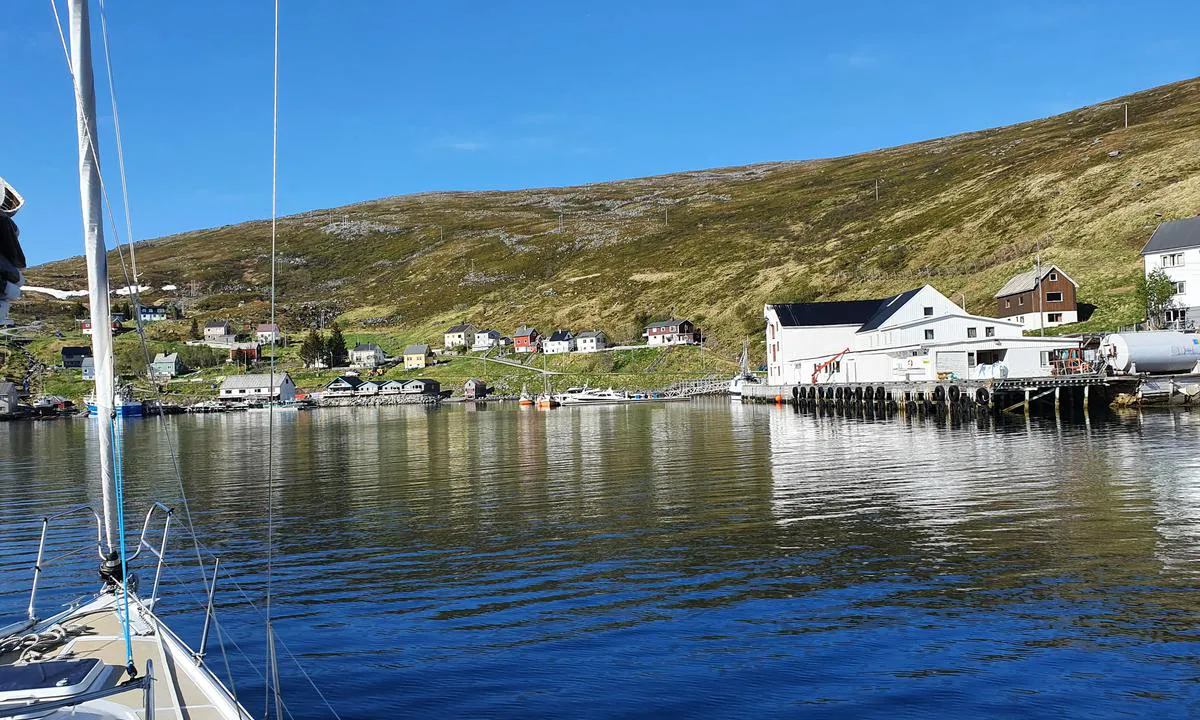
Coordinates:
column 97, row 259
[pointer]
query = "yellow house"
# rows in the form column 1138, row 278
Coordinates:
column 417, row 356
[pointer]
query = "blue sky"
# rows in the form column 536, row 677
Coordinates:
column 387, row 97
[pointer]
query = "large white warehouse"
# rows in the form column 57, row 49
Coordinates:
column 916, row 335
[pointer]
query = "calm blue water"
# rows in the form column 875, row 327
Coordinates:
column 701, row 560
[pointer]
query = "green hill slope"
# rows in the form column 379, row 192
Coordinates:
column 961, row 213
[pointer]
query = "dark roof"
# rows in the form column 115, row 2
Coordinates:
column 216, row 324
column 351, row 380
column 560, row 336
column 367, row 347
column 76, row 352
column 665, row 323
column 591, row 334
column 888, row 308
column 524, row 331
column 1174, row 236
column 843, row 312
column 868, row 313
column 460, row 328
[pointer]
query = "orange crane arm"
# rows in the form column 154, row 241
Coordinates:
column 826, row 364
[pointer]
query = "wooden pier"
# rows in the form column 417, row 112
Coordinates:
column 1009, row 395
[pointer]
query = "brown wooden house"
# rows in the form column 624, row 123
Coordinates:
column 1038, row 298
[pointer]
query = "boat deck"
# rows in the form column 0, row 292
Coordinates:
column 183, row 690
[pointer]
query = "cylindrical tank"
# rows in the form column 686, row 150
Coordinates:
column 1164, row 351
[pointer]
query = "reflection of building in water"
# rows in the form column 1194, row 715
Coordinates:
column 916, row 474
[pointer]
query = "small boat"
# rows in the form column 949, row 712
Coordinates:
column 744, row 376
column 525, row 400
column 546, row 401
column 124, row 404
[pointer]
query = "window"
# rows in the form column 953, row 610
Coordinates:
column 1007, row 302
column 1044, row 358
column 972, row 332
column 1172, row 260
column 1054, row 317
column 1054, row 297
column 928, row 311
column 929, row 334
column 1021, row 300
column 989, row 331
column 1179, row 288
column 1052, row 277
column 970, row 359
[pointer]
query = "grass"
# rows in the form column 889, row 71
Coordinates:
column 962, row 213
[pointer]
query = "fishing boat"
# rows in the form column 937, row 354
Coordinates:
column 124, row 403
column 109, row 655
column 525, row 400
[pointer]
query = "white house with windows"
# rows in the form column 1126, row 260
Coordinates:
column 459, row 336
column 258, row 387
column 590, row 341
column 1175, row 248
column 266, row 333
column 367, row 355
column 919, row 334
column 560, row 341
column 486, row 339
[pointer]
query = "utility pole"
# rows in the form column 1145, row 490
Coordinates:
column 876, row 189
column 665, row 221
column 1126, row 115
column 1037, row 270
column 964, row 301
column 560, row 221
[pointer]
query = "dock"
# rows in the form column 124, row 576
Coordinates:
column 1021, row 395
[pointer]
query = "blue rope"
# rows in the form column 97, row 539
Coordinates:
column 120, row 483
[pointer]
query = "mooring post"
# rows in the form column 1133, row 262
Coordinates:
column 1026, row 401
column 1056, row 394
column 1086, row 388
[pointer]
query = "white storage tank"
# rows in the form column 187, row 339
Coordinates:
column 1164, row 351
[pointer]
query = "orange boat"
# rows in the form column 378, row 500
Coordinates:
column 525, row 400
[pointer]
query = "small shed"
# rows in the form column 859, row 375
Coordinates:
column 475, row 389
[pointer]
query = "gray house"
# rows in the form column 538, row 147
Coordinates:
column 166, row 365
column 8, row 398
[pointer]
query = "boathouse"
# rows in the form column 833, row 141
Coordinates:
column 1039, row 298
column 259, row 387
column 342, row 386
column 422, row 386
column 917, row 335
column 474, row 389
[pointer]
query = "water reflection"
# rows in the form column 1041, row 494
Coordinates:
column 701, row 558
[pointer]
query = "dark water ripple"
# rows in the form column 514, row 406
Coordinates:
column 701, row 560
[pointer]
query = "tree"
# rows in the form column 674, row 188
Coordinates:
column 1155, row 292
column 194, row 332
column 336, row 347
column 312, row 349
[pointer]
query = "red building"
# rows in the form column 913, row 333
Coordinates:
column 526, row 339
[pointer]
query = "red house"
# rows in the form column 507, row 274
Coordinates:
column 526, row 339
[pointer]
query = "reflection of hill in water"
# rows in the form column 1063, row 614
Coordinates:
column 457, row 548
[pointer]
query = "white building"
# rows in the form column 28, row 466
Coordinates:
column 486, row 339
column 916, row 335
column 265, row 333
column 154, row 313
column 459, row 336
column 590, row 341
column 1175, row 248
column 217, row 330
column 258, row 387
column 560, row 341
column 367, row 355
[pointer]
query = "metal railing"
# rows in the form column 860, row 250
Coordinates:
column 42, row 562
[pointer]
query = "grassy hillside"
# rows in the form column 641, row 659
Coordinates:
column 961, row 213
